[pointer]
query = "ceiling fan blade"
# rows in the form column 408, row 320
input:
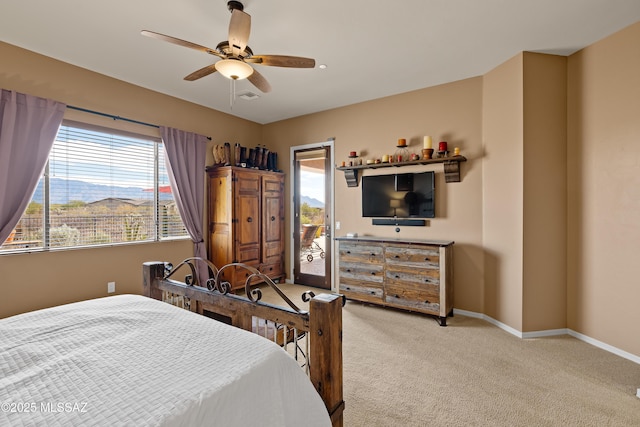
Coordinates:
column 202, row 72
column 259, row 81
column 181, row 42
column 283, row 61
column 239, row 30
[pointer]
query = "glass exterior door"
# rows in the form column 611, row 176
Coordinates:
column 312, row 227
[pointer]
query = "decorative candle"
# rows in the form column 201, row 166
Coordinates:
column 402, row 142
column 352, row 154
column 427, row 142
column 385, row 158
column 456, row 151
column 442, row 146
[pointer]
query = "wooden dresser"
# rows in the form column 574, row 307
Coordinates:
column 415, row 275
column 246, row 221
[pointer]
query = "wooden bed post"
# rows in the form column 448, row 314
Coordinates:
column 325, row 341
column 152, row 271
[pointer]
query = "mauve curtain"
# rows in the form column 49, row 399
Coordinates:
column 28, row 127
column 185, row 160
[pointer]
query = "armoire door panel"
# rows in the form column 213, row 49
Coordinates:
column 248, row 183
column 247, row 220
column 272, row 219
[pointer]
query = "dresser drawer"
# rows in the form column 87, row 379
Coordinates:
column 412, row 274
column 354, row 252
column 418, row 256
column 415, row 297
column 362, row 272
column 272, row 270
column 362, row 291
column 418, row 293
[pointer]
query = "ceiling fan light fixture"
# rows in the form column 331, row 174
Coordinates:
column 234, row 69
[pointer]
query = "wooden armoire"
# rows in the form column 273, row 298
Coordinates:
column 246, row 221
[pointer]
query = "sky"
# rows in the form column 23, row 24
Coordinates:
column 312, row 185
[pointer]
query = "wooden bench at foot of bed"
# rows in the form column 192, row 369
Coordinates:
column 322, row 323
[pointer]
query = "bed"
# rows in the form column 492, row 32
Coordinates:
column 135, row 360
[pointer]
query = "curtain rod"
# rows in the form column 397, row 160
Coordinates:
column 111, row 116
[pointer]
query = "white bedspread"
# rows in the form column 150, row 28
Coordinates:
column 130, row 360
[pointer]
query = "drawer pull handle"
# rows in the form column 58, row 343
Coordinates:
column 426, row 302
column 348, row 270
column 373, row 292
column 249, row 219
column 373, row 273
column 373, row 254
column 348, row 288
column 397, row 296
column 397, row 277
column 348, row 252
column 273, row 218
column 397, row 256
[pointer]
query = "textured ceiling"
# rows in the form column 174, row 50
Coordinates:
column 371, row 48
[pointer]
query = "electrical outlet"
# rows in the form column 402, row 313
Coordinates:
column 337, row 225
column 638, row 393
column 111, row 287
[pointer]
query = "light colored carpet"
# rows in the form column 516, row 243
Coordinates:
column 403, row 369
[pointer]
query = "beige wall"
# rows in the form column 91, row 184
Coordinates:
column 545, row 192
column 604, row 190
column 502, row 208
column 45, row 279
column 451, row 113
column 524, row 184
column 36, row 280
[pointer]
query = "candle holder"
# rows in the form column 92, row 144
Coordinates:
column 353, row 156
column 401, row 154
column 427, row 153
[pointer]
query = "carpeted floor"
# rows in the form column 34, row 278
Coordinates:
column 403, row 369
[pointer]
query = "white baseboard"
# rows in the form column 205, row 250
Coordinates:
column 605, row 346
column 549, row 333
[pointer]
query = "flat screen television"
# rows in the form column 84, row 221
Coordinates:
column 407, row 195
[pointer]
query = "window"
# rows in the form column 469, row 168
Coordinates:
column 100, row 186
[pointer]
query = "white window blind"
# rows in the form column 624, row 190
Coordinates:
column 100, row 187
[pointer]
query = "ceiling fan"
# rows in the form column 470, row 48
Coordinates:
column 235, row 54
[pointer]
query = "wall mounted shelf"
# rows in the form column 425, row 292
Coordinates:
column 451, row 168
